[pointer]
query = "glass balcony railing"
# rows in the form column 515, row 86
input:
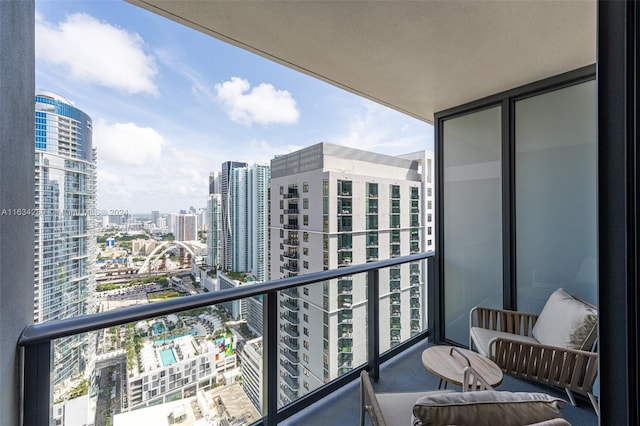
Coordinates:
column 291, row 331
column 290, row 318
column 290, row 304
column 291, row 292
column 290, row 255
column 292, row 344
column 291, row 395
column 291, row 356
column 289, row 368
column 181, row 349
column 292, row 268
column 293, row 384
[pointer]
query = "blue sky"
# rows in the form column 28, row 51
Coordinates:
column 170, row 104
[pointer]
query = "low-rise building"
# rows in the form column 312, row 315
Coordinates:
column 251, row 364
column 177, row 367
column 236, row 308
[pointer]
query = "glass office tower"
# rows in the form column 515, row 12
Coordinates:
column 65, row 239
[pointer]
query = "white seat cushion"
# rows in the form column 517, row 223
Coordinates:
column 397, row 408
column 566, row 322
column 486, row 408
column 482, row 336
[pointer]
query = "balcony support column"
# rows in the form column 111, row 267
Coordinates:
column 37, row 384
column 270, row 358
column 17, row 146
column 373, row 322
column 618, row 211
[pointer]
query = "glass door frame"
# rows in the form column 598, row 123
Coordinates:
column 507, row 101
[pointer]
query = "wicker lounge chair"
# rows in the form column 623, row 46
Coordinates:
column 556, row 347
column 446, row 407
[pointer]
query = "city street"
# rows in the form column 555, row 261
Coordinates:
column 110, row 389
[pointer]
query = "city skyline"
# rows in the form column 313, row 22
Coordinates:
column 159, row 104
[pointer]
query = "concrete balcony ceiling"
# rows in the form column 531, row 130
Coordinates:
column 415, row 57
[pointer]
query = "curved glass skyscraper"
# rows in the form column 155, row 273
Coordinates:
column 65, row 240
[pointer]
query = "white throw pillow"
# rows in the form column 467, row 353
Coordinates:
column 566, row 322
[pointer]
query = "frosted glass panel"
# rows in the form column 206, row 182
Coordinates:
column 472, row 218
column 556, row 195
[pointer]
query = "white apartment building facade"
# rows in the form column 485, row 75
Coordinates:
column 333, row 206
column 178, row 368
column 251, row 365
column 236, row 308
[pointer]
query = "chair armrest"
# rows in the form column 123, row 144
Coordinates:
column 473, row 381
column 513, row 322
column 369, row 403
column 572, row 369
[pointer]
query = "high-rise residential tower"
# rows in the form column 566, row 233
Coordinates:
column 333, row 206
column 226, row 254
column 65, row 239
column 214, row 206
column 259, row 176
column 214, row 183
column 186, row 227
column 245, row 226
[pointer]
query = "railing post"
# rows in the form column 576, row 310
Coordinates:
column 270, row 358
column 432, row 298
column 373, row 322
column 37, row 378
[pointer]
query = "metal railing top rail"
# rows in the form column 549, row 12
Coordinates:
column 48, row 331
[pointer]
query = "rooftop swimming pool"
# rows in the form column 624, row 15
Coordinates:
column 159, row 342
column 158, row 328
column 168, row 357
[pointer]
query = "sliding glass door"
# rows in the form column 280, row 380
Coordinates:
column 555, row 175
column 472, row 208
column 516, row 204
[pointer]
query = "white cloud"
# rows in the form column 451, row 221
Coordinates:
column 96, row 52
column 262, row 104
column 380, row 129
column 108, row 178
column 126, row 143
column 178, row 179
column 261, row 151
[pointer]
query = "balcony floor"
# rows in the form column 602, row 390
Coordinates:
column 406, row 373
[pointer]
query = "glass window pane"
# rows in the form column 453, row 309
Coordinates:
column 472, row 217
column 556, row 195
column 402, row 303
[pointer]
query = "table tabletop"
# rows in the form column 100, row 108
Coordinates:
column 447, row 363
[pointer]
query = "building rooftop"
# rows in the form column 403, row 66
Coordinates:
column 222, row 405
column 313, row 158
